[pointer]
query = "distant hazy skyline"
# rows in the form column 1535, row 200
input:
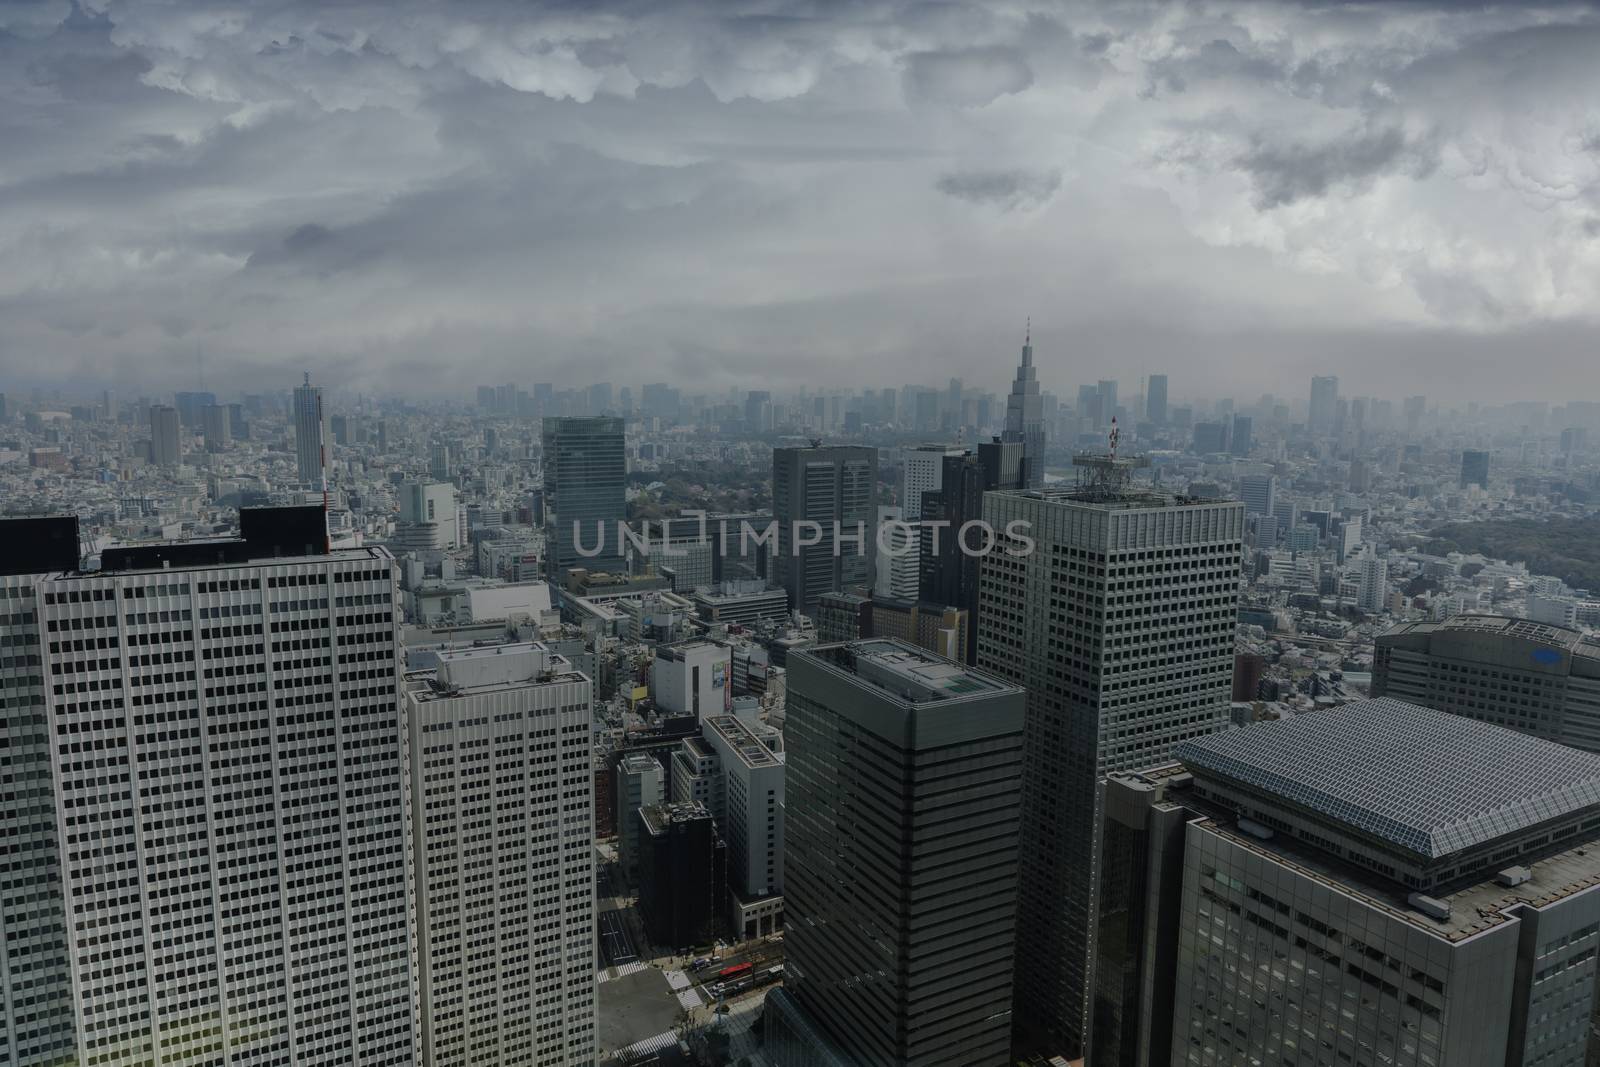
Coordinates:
column 414, row 198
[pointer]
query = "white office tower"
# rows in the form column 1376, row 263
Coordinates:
column 1119, row 623
column 1372, row 594
column 921, row 471
column 501, row 788
column 312, row 435
column 229, row 792
column 750, row 815
column 427, row 517
column 898, row 549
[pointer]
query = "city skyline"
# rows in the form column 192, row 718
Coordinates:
column 877, row 189
column 769, row 533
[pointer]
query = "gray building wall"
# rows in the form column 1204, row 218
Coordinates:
column 835, row 487
column 506, row 945
column 640, row 784
column 36, row 1010
column 585, row 493
column 1511, row 676
column 900, row 867
column 1119, row 624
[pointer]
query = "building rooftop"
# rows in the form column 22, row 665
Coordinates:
column 1534, row 633
column 1112, row 497
column 658, row 817
column 1425, row 781
column 484, row 668
column 1479, row 905
column 916, row 675
column 750, row 749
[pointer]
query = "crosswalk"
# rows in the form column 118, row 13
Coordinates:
column 650, row 1044
column 623, row 971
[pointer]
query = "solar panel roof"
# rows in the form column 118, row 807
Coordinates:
column 1426, row 781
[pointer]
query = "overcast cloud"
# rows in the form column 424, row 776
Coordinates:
column 410, row 197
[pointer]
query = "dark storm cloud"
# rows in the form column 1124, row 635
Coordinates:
column 407, row 195
column 1293, row 170
column 1008, row 189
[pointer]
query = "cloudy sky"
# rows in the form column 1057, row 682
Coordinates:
column 414, row 197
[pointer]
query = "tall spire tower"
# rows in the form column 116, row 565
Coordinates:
column 1025, row 414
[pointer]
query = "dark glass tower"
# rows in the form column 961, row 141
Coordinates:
column 585, row 474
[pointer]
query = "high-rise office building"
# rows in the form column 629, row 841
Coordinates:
column 1324, row 409
column 505, row 899
column 1375, row 883
column 220, row 711
column 1474, row 469
column 683, row 873
column 1372, row 590
column 949, row 571
column 214, row 424
column 824, row 499
column 1257, row 491
column 165, row 450
column 313, row 435
column 1243, row 438
column 921, row 471
column 1210, row 438
column 900, row 860
column 1025, row 416
column 641, row 783
column 1108, row 400
column 751, row 808
column 1155, row 400
column 898, row 556
column 585, row 487
column 1415, row 408
column 1119, row 622
column 37, row 1027
column 190, row 406
column 1529, row 676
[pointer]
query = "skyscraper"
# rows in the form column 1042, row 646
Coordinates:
column 758, row 411
column 164, row 447
column 1108, row 400
column 900, row 860
column 1474, row 469
column 1025, row 416
column 312, row 434
column 1155, row 401
column 227, row 784
column 897, row 566
column 1119, row 623
column 585, row 494
column 1375, row 883
column 1324, row 409
column 949, row 572
column 1243, row 439
column 1256, row 491
column 824, row 500
column 921, row 471
column 214, row 424
column 500, row 738
column 37, row 1027
column 1372, row 592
